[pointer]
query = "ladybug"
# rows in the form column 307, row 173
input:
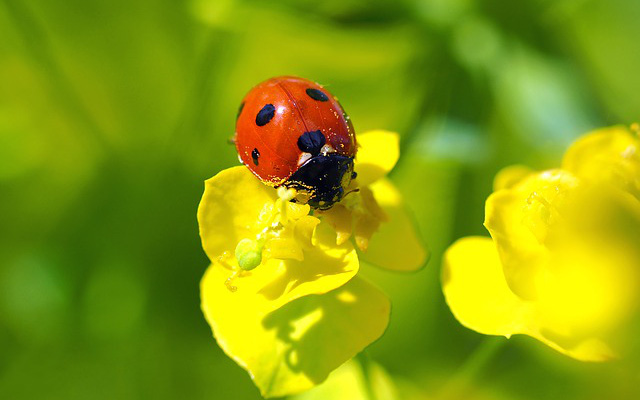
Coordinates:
column 292, row 132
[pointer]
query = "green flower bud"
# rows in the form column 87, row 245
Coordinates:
column 249, row 254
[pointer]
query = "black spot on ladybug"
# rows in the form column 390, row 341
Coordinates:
column 265, row 115
column 311, row 142
column 317, row 94
column 240, row 110
column 255, row 155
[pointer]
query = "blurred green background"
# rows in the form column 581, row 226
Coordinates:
column 113, row 113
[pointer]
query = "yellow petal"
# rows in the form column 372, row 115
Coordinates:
column 522, row 255
column 396, row 244
column 237, row 206
column 368, row 216
column 609, row 155
column 230, row 210
column 284, row 249
column 370, row 202
column 291, row 211
column 303, row 231
column 317, row 270
column 478, row 295
column 592, row 283
column 510, row 176
column 591, row 292
column 521, row 221
column 297, row 346
column 297, row 211
column 378, row 152
column 340, row 219
column 365, row 226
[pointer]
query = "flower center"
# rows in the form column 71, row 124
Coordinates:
column 287, row 230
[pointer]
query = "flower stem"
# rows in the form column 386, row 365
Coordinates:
column 364, row 361
column 460, row 381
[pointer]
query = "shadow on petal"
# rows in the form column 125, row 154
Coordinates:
column 294, row 348
column 325, row 267
column 322, row 332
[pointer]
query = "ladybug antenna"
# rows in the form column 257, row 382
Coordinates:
column 232, row 140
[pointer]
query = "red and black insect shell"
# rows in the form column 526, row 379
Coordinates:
column 291, row 131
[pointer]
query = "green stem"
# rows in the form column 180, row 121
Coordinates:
column 364, row 361
column 471, row 368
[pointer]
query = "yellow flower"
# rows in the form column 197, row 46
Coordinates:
column 563, row 261
column 610, row 156
column 281, row 295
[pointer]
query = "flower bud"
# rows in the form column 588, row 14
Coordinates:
column 249, row 254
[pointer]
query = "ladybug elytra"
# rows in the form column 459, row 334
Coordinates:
column 292, row 132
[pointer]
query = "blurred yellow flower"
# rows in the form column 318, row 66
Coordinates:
column 610, row 156
column 281, row 295
column 563, row 261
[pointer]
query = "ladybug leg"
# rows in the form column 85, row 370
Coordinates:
column 352, row 188
column 356, row 190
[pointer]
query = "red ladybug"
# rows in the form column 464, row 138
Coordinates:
column 291, row 131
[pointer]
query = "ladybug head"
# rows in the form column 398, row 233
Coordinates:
column 324, row 178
